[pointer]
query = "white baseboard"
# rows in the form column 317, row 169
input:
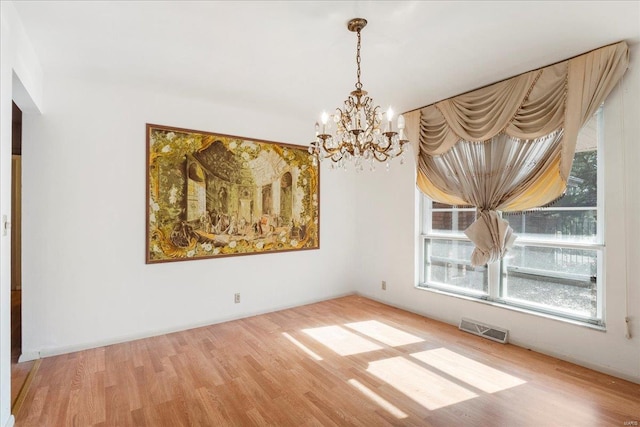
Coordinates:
column 10, row 422
column 29, row 356
column 595, row 367
column 55, row 351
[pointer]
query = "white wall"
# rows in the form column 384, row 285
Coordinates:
column 387, row 233
column 85, row 281
column 20, row 79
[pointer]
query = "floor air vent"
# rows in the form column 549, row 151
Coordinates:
column 483, row 330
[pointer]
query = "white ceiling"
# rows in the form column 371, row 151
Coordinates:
column 298, row 58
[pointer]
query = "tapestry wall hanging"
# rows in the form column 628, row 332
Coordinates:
column 211, row 195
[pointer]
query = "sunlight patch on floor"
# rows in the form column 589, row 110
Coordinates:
column 418, row 383
column 476, row 374
column 384, row 333
column 301, row 346
column 342, row 341
column 383, row 403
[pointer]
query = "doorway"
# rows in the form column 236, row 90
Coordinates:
column 19, row 371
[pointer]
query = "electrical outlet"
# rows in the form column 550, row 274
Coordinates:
column 384, row 285
column 236, row 298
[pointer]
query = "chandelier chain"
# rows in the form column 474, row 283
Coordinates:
column 358, row 85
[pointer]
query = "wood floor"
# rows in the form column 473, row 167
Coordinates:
column 19, row 371
column 348, row 361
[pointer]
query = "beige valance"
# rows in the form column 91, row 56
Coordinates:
column 510, row 146
column 528, row 106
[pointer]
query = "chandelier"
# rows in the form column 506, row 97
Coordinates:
column 358, row 131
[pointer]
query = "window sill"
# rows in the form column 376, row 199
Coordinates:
column 601, row 328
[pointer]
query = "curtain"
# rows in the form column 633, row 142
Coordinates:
column 509, row 146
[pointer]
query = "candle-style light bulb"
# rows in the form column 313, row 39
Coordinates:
column 400, row 121
column 317, row 128
column 324, row 118
column 401, row 125
column 390, row 118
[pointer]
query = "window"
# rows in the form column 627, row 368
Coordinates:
column 556, row 263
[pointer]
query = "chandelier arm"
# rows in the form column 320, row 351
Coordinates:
column 349, row 148
column 382, row 151
column 369, row 146
column 381, row 157
column 330, row 152
column 387, row 146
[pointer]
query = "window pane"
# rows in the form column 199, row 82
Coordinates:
column 447, row 265
column 574, row 216
column 582, row 187
column 578, row 225
column 447, row 218
column 555, row 279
